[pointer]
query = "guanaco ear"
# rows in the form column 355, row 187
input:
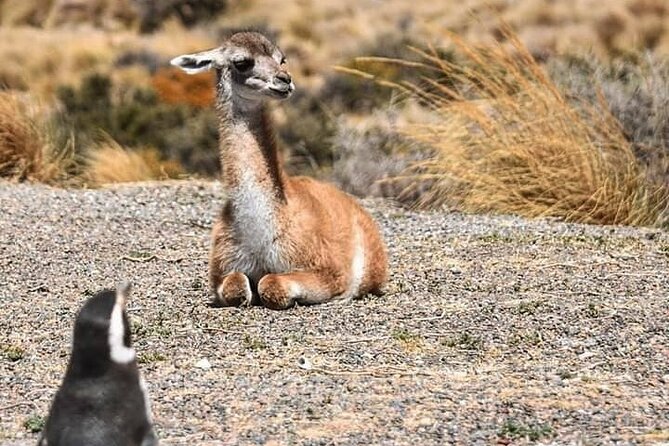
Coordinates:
column 196, row 62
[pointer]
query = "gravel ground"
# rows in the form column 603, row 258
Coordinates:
column 493, row 329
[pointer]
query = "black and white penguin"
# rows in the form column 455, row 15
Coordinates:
column 103, row 400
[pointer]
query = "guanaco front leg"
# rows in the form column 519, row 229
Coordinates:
column 234, row 291
column 281, row 291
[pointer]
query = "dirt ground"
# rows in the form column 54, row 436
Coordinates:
column 493, row 329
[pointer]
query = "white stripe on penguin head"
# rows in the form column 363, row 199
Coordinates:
column 119, row 353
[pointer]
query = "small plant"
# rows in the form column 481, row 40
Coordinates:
column 566, row 374
column 292, row 339
column 34, row 424
column 593, row 310
column 138, row 328
column 587, row 379
column 496, row 237
column 403, row 335
column 465, row 341
column 140, row 254
column 12, row 352
column 141, row 328
column 531, row 337
column 253, row 343
column 528, row 307
column 513, row 429
column 162, row 328
column 197, row 284
column 151, row 357
column 407, row 340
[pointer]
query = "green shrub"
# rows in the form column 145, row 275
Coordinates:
column 315, row 135
column 345, row 93
column 137, row 118
column 513, row 430
column 34, row 423
column 370, row 161
column 307, row 132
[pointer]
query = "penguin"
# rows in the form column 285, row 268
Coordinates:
column 102, row 400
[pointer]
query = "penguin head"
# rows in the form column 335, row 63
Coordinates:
column 102, row 333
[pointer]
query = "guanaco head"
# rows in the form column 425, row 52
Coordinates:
column 255, row 65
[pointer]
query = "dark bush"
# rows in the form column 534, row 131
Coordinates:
column 312, row 115
column 136, row 118
column 307, row 132
column 371, row 162
column 147, row 59
column 347, row 93
column 637, row 94
column 152, row 13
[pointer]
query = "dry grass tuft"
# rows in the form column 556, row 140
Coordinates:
column 111, row 163
column 110, row 14
column 39, row 61
column 26, row 151
column 508, row 141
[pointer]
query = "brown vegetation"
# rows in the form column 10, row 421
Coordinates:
column 176, row 87
column 26, row 153
column 332, row 128
column 508, row 141
column 111, row 163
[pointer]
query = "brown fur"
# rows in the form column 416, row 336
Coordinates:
column 317, row 238
column 295, row 239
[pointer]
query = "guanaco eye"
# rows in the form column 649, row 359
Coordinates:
column 283, row 60
column 243, row 64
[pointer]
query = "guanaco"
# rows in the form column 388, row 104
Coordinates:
column 279, row 240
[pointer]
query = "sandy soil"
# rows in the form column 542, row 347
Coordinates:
column 493, row 329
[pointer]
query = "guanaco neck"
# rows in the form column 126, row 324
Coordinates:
column 247, row 144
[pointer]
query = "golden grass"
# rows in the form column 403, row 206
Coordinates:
column 40, row 60
column 317, row 34
column 26, row 152
column 49, row 13
column 111, row 163
column 508, row 141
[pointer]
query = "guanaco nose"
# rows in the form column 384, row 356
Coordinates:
column 284, row 77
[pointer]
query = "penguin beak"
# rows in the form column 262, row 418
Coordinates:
column 122, row 293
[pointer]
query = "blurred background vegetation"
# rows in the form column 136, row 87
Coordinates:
column 536, row 107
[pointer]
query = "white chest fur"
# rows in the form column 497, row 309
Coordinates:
column 256, row 229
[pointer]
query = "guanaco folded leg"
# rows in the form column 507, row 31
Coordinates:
column 234, row 291
column 230, row 289
column 281, row 291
